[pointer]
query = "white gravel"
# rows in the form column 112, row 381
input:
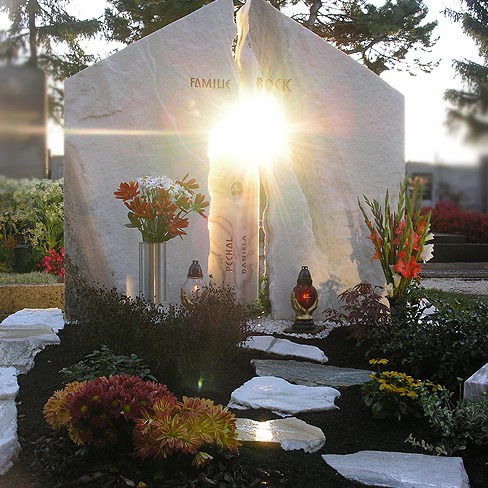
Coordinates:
column 474, row 287
column 269, row 326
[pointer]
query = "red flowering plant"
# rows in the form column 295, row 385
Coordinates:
column 159, row 206
column 448, row 218
column 53, row 263
column 126, row 410
column 400, row 237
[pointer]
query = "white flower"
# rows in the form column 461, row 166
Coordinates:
column 149, row 183
column 429, row 237
column 427, row 252
column 396, row 279
column 389, row 289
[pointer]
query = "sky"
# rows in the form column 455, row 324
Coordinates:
column 427, row 139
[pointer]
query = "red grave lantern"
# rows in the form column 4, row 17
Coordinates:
column 304, row 300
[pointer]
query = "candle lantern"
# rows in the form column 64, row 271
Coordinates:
column 304, row 300
column 193, row 284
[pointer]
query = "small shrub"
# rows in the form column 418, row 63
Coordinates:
column 31, row 211
column 457, row 425
column 105, row 363
column 363, row 311
column 443, row 346
column 179, row 344
column 141, row 416
column 394, row 394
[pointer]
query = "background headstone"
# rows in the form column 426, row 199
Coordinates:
column 23, row 119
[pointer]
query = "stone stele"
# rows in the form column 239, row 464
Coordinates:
column 149, row 109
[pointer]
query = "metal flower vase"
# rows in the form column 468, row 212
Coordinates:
column 152, row 272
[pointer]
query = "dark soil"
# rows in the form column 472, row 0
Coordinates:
column 348, row 429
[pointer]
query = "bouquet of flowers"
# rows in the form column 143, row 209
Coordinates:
column 159, row 206
column 400, row 238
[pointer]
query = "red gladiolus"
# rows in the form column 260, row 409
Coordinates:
column 410, row 269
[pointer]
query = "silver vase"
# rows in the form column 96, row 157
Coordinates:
column 152, row 272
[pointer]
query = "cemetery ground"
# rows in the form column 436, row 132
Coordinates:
column 48, row 461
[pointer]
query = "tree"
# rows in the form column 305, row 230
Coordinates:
column 43, row 34
column 470, row 104
column 127, row 21
column 380, row 37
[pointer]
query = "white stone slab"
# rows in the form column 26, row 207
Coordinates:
column 24, row 332
column 20, row 353
column 291, row 433
column 9, row 386
column 477, row 384
column 284, row 347
column 8, row 418
column 348, row 141
column 35, row 317
column 9, row 449
column 400, row 470
column 145, row 111
column 281, row 397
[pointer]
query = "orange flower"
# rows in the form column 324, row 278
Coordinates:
column 409, row 269
column 176, row 226
column 200, row 204
column 189, row 185
column 126, row 191
column 140, row 208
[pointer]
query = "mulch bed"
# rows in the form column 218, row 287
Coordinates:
column 348, row 429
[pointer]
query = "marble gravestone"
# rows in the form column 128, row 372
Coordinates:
column 23, row 122
column 151, row 109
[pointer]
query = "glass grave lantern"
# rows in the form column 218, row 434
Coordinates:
column 304, row 301
column 193, row 284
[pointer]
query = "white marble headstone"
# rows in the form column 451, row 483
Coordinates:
column 146, row 110
column 149, row 109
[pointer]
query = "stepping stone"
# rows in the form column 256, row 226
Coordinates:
column 400, row 470
column 34, row 317
column 9, row 448
column 281, row 397
column 476, row 384
column 284, row 347
column 310, row 374
column 291, row 433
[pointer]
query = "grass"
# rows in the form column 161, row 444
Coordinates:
column 33, row 278
column 454, row 299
